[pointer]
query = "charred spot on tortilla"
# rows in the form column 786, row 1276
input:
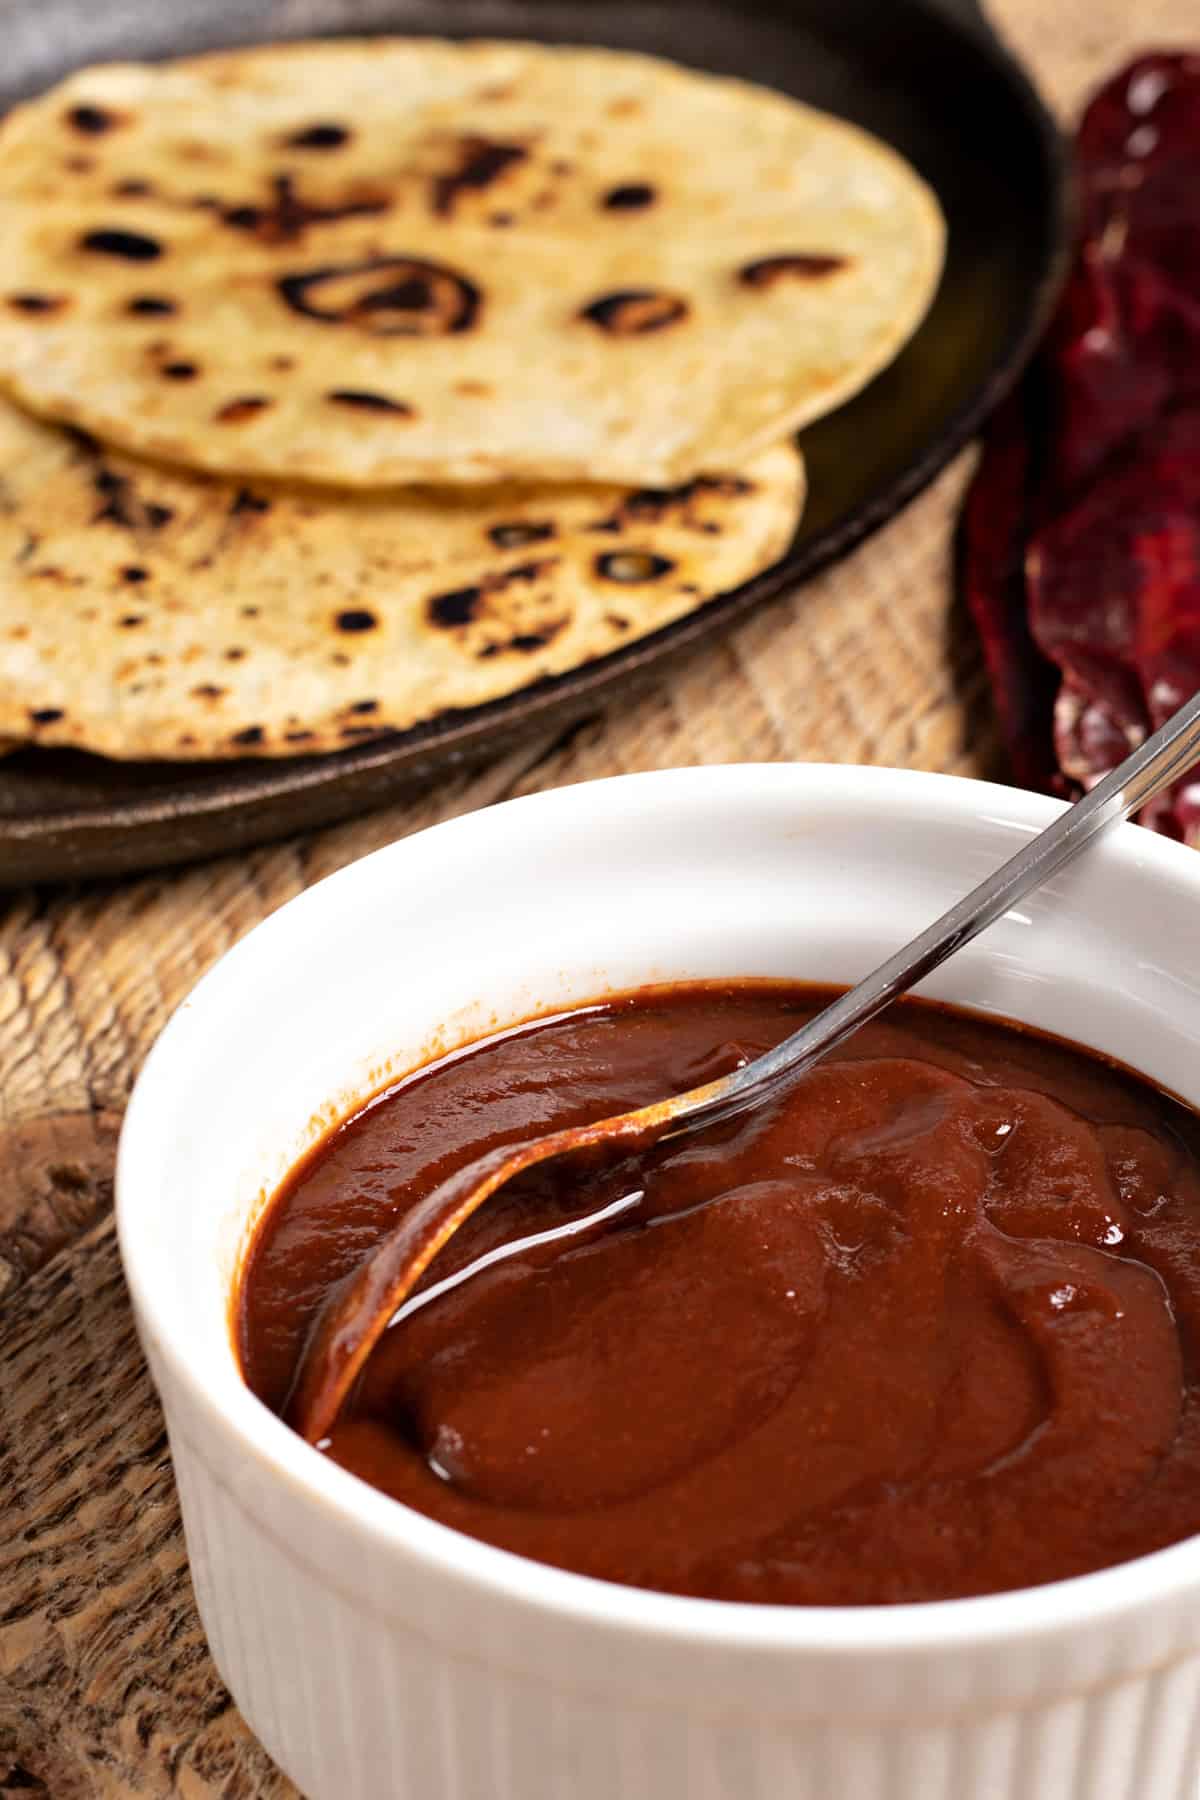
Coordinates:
column 112, row 490
column 655, row 503
column 45, row 715
column 630, row 566
column 246, row 502
column 630, row 312
column 289, row 215
column 245, row 406
column 130, row 246
column 325, row 135
column 92, row 121
column 459, row 607
column 537, row 640
column 151, row 306
column 134, row 573
column 248, row 737
column 370, row 402
column 730, row 487
column 480, row 162
column 520, row 533
column 120, row 503
column 356, row 619
column 180, row 371
column 523, row 572
column 386, row 296
column 35, row 305
column 767, row 270
column 629, row 196
column 132, row 190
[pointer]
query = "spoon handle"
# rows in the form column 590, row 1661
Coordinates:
column 1158, row 762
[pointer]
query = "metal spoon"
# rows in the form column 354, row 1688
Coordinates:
column 357, row 1314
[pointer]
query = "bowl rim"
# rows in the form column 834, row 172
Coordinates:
column 395, row 1530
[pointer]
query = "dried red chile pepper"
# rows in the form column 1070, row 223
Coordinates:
column 1082, row 528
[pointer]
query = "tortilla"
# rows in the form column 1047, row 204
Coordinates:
column 145, row 612
column 382, row 261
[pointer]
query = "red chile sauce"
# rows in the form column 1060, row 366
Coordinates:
column 927, row 1327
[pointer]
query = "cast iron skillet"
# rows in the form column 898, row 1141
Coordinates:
column 928, row 75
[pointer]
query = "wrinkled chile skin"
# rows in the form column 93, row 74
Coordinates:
column 1081, row 541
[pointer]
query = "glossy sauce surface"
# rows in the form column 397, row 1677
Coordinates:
column 927, row 1327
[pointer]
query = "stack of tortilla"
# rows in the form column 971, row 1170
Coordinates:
column 351, row 383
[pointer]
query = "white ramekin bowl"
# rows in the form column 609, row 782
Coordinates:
column 377, row 1653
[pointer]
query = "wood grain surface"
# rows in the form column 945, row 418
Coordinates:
column 106, row 1687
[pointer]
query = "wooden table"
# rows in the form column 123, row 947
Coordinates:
column 106, row 1687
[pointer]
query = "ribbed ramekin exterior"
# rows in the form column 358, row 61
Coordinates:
column 378, row 1655
column 364, row 1702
